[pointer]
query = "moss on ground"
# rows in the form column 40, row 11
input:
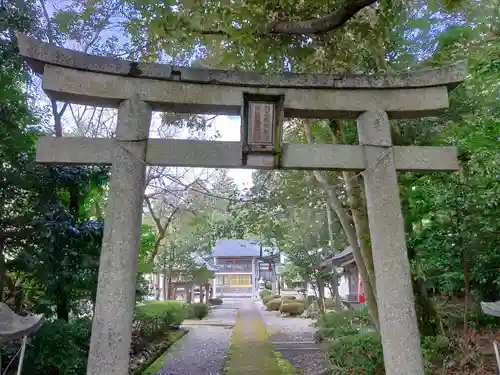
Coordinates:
column 159, row 363
column 251, row 352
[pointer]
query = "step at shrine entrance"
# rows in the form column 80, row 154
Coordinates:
column 263, row 101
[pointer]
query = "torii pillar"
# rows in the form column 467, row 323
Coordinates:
column 396, row 304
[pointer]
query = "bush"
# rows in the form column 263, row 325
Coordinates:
column 152, row 320
column 336, row 324
column 274, row 304
column 170, row 313
column 59, row 348
column 215, row 301
column 292, row 308
column 264, row 293
column 197, row 310
column 266, row 299
column 357, row 354
column 289, row 298
column 436, row 350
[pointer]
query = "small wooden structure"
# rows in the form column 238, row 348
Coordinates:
column 493, row 309
column 345, row 260
column 14, row 326
column 186, row 283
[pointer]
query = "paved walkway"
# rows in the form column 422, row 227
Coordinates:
column 213, row 347
column 203, row 350
column 294, row 339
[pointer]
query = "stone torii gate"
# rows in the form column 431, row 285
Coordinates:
column 137, row 89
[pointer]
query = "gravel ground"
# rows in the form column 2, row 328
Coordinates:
column 294, row 339
column 203, row 350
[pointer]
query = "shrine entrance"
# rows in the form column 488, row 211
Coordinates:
column 263, row 102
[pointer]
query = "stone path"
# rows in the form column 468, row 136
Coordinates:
column 212, row 346
column 294, row 339
column 203, row 350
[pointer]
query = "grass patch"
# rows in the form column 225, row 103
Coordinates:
column 251, row 352
column 157, row 360
column 286, row 367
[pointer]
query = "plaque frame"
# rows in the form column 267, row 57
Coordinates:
column 250, row 146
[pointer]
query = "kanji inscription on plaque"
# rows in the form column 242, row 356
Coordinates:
column 261, row 121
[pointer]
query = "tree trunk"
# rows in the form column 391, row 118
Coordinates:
column 330, row 229
column 352, row 239
column 2, row 268
column 62, row 308
column 166, row 284
column 201, row 294
column 466, row 291
column 207, row 291
column 321, row 294
column 357, row 206
column 157, row 285
column 428, row 318
column 335, row 291
column 171, row 289
column 187, row 294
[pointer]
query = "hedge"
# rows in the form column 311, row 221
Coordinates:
column 292, row 308
column 274, row 304
column 266, row 299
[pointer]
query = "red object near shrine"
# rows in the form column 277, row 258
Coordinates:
column 361, row 294
column 270, row 267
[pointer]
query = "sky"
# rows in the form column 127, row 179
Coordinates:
column 227, row 126
column 229, row 129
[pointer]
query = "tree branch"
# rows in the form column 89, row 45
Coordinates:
column 334, row 20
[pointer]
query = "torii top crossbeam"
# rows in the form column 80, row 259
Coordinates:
column 81, row 78
column 181, row 89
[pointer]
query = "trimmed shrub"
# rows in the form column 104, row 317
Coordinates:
column 357, row 354
column 215, row 301
column 264, row 293
column 291, row 298
column 274, row 304
column 266, row 299
column 197, row 310
column 292, row 308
